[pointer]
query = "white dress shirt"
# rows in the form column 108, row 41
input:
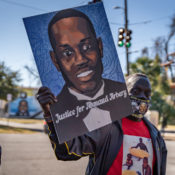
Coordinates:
column 96, row 117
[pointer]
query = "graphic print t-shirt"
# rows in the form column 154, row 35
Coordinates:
column 136, row 155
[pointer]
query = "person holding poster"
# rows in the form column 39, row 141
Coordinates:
column 85, row 115
column 108, row 147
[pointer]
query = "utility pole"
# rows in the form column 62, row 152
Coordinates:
column 125, row 33
column 126, row 29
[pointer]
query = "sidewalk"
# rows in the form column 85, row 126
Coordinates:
column 35, row 127
column 167, row 134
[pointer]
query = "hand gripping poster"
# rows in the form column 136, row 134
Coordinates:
column 77, row 60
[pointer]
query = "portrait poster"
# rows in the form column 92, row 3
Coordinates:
column 25, row 108
column 77, row 60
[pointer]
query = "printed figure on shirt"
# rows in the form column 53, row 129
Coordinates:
column 146, row 167
column 129, row 161
column 141, row 145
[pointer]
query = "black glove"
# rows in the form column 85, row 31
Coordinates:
column 45, row 98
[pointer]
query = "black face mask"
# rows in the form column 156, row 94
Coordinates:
column 139, row 106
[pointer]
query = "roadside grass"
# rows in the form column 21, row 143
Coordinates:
column 14, row 130
column 23, row 121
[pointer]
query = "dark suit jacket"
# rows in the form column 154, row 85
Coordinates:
column 73, row 126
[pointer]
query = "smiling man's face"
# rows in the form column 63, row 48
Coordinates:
column 78, row 54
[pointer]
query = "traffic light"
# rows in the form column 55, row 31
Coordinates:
column 128, row 38
column 121, row 37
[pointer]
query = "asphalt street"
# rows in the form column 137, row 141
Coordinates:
column 31, row 154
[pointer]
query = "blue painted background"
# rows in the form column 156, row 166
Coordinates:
column 37, row 30
column 33, row 105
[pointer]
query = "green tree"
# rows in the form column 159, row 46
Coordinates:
column 8, row 81
column 152, row 68
column 166, row 110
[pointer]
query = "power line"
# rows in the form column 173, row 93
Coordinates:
column 114, row 23
column 149, row 21
column 136, row 51
column 143, row 22
column 82, row 2
column 32, row 7
column 23, row 5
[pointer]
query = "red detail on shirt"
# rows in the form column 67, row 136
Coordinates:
column 132, row 128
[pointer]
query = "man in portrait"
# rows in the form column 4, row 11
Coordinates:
column 87, row 100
